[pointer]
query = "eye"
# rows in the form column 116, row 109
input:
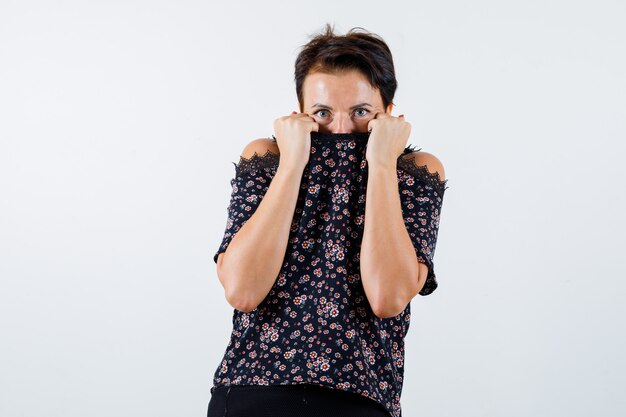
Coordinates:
column 364, row 109
column 319, row 111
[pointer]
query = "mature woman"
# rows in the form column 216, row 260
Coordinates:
column 331, row 231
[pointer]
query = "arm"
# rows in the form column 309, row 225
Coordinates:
column 390, row 271
column 253, row 259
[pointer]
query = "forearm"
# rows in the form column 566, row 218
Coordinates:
column 389, row 266
column 255, row 255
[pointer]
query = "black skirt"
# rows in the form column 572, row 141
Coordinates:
column 296, row 400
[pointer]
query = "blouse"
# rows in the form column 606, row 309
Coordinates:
column 316, row 326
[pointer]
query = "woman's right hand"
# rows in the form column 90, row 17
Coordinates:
column 293, row 137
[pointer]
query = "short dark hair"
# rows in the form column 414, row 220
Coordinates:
column 364, row 51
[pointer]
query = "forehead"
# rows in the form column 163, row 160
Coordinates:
column 339, row 88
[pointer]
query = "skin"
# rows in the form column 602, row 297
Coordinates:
column 341, row 91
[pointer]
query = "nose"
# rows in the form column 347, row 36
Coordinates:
column 342, row 124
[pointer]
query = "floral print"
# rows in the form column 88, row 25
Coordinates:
column 316, row 326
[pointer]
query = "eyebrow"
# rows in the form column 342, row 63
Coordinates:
column 353, row 107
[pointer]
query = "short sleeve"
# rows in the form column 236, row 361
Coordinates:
column 250, row 183
column 421, row 197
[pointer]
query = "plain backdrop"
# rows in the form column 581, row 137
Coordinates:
column 119, row 125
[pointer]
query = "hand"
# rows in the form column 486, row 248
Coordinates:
column 387, row 140
column 293, row 137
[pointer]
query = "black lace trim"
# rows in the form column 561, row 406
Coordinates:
column 269, row 160
column 421, row 171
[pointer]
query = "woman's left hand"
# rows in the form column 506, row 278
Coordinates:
column 387, row 140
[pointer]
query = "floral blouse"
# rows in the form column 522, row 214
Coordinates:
column 316, row 326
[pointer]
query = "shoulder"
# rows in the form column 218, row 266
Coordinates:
column 428, row 160
column 260, row 147
column 259, row 153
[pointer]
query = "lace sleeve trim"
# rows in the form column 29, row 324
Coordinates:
column 269, row 160
column 421, row 171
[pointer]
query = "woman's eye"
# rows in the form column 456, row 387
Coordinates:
column 317, row 112
column 365, row 110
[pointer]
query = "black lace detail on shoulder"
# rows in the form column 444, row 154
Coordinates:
column 421, row 171
column 269, row 160
column 410, row 148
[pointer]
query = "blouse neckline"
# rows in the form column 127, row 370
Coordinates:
column 326, row 136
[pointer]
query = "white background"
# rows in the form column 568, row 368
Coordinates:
column 119, row 125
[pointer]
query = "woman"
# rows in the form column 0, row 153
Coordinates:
column 331, row 232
